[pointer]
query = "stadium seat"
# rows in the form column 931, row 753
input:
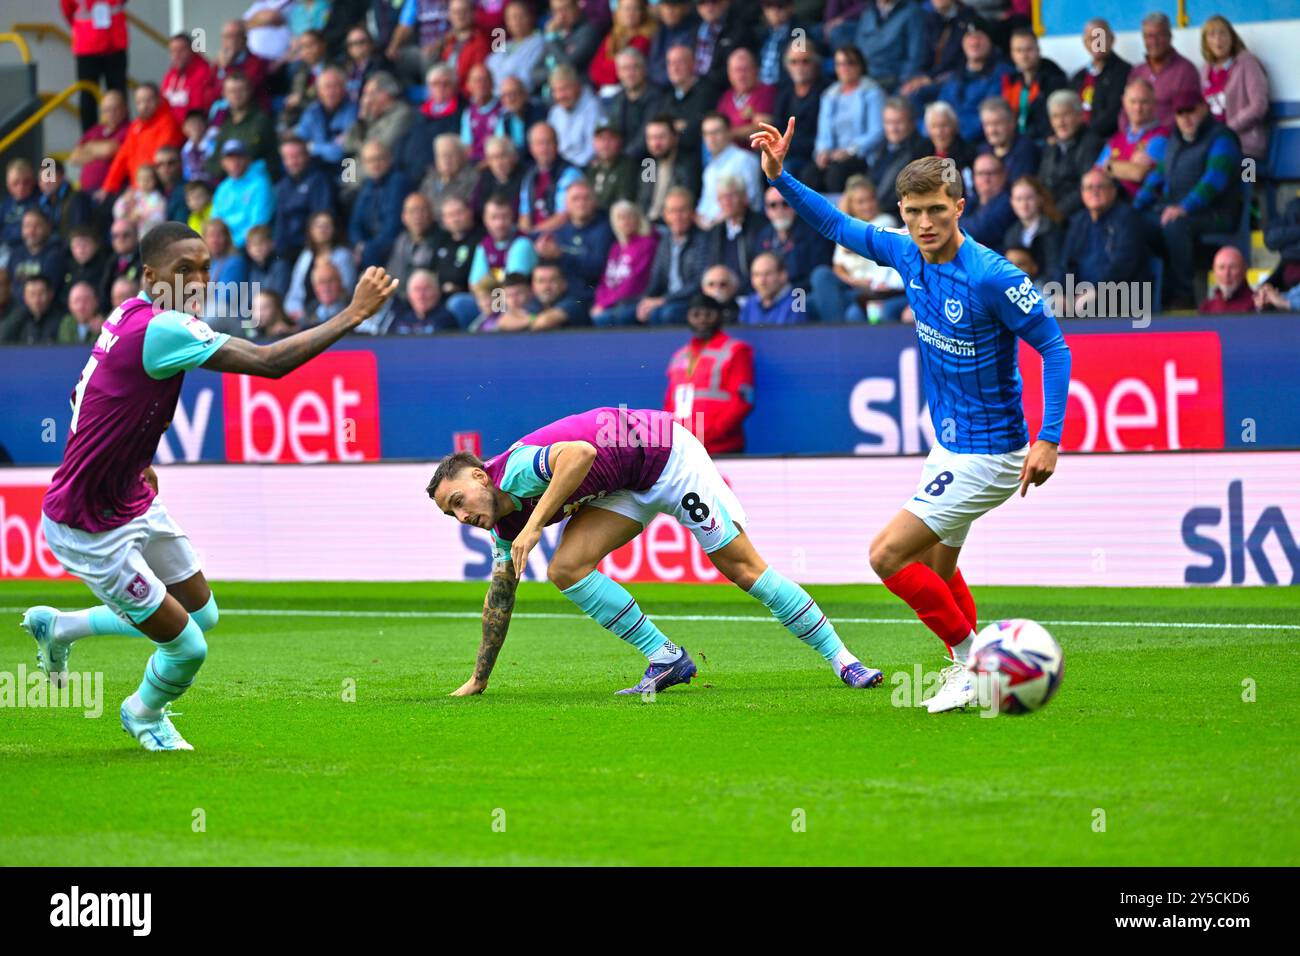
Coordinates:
column 1157, row 282
column 1283, row 164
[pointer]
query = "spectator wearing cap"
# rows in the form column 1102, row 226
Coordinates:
column 1069, row 153
column 773, row 301
column 733, row 240
column 800, row 97
column 613, row 174
column 64, row 205
column 574, row 112
column 377, row 213
column 634, row 26
column 687, row 100
column 541, row 195
column 1104, row 241
column 893, row 38
column 1195, row 189
column 304, row 189
column 1019, row 153
column 634, row 103
column 672, row 167
column 154, row 126
column 246, row 122
column 849, row 130
column 711, row 379
column 978, row 78
column 384, row 117
column 729, row 160
column 245, row 197
column 746, row 102
column 801, row 248
column 903, row 144
column 581, row 246
column 679, row 263
column 724, row 27
column 189, row 83
column 678, row 24
column 1231, row 292
column 325, row 122
column 40, row 254
column 522, row 49
column 464, row 46
column 95, row 150
column 627, row 270
column 1170, row 74
column 1100, row 84
column 1026, row 90
column 570, row 41
column 1235, row 85
column 37, row 319
column 1134, row 150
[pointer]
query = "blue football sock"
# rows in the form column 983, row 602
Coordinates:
column 207, row 616
column 799, row 614
column 171, row 669
column 607, row 603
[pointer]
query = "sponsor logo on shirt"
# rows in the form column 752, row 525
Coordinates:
column 935, row 339
column 1024, row 296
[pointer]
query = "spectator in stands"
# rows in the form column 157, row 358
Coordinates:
column 1038, row 226
column 450, row 175
column 1235, row 85
column 1101, row 83
column 95, row 150
column 711, row 379
column 142, row 203
column 1027, row 88
column 383, row 119
column 1069, row 153
column 678, row 264
column 570, row 41
column 246, row 122
column 734, row 240
column 123, row 261
column 552, row 305
column 304, row 70
column 774, row 39
column 1103, row 243
column 541, row 195
column 502, row 174
column 1282, row 235
column 993, row 214
column 64, row 205
column 1170, row 74
column 518, row 113
column 323, row 244
column 687, row 99
column 123, row 288
column 613, row 174
column 420, row 311
column 746, row 102
column 1019, row 153
column 189, row 83
column 228, row 263
column 304, row 189
column 456, row 243
column 1024, row 260
column 1133, row 152
column 627, row 270
column 84, row 320
column 171, row 183
column 99, row 41
column 20, row 196
column 946, row 22
column 1231, row 292
column 478, row 121
column 582, row 245
column 1268, row 297
column 37, row 319
column 979, row 78
column 678, row 25
column 245, row 198
column 903, row 143
column 722, row 284
column 574, row 113
column 197, row 149
column 327, row 294
column 269, row 37
column 325, row 123
column 267, row 269
column 673, row 168
column 376, row 215
column 234, row 56
column 773, row 301
column 729, row 160
column 634, row 27
column 800, row 97
column 502, row 305
column 849, row 125
column 840, row 21
column 1195, row 189
column 154, row 126
column 198, row 204
column 363, row 61
column 269, row 318
column 463, row 46
column 440, row 112
column 800, row 246
column 86, row 259
column 635, row 102
column 40, row 253
column 839, row 289
column 893, row 39
column 503, row 249
column 522, row 50
column 723, row 28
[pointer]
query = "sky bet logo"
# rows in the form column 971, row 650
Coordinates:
column 1240, row 544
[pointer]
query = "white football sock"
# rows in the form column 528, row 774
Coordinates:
column 843, row 658
column 666, row 654
column 138, row 707
column 72, row 626
column 962, row 650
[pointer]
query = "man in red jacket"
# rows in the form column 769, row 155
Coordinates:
column 190, row 83
column 153, row 128
column 99, row 44
column 711, row 380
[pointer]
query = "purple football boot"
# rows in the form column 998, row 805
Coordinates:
column 662, row 676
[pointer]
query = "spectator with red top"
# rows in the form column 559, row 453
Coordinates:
column 1231, row 293
column 234, row 56
column 1168, row 71
column 1235, row 85
column 463, row 46
column 189, row 83
column 1101, row 83
column 99, row 39
column 95, row 150
column 747, row 102
column 634, row 27
column 1035, row 79
column 711, row 380
column 1139, row 145
column 154, row 126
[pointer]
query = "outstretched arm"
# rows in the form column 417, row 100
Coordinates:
column 497, row 608
column 280, row 358
column 569, row 462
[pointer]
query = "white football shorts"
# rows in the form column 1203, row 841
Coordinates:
column 956, row 489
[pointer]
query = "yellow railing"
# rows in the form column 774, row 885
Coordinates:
column 41, row 30
column 19, row 42
column 1037, row 14
column 81, row 86
column 1183, row 17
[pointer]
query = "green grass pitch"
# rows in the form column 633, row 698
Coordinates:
column 1148, row 755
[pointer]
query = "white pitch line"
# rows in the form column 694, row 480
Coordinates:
column 725, row 618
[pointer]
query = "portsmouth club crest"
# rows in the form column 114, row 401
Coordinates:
column 952, row 310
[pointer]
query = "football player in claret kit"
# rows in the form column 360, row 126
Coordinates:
column 611, row 470
column 970, row 306
column 101, row 515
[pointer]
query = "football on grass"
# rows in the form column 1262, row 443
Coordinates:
column 1018, row 666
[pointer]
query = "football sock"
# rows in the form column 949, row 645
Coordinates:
column 927, row 594
column 74, row 625
column 172, row 667
column 800, row 615
column 961, row 594
column 206, row 617
column 607, row 603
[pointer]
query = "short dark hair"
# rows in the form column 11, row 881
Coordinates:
column 450, row 466
column 158, row 239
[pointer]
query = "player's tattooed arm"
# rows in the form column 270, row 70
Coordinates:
column 497, row 608
column 280, row 358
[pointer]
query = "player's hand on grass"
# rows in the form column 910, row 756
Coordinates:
column 523, row 544
column 1039, row 465
column 374, row 289
column 774, row 145
column 469, row 688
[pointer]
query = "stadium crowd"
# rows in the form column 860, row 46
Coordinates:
column 525, row 166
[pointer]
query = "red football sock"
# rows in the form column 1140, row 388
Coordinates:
column 927, row 594
column 961, row 594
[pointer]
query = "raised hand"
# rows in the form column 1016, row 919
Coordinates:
column 375, row 288
column 774, row 144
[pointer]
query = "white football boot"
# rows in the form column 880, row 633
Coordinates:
column 51, row 655
column 156, row 734
column 958, row 690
